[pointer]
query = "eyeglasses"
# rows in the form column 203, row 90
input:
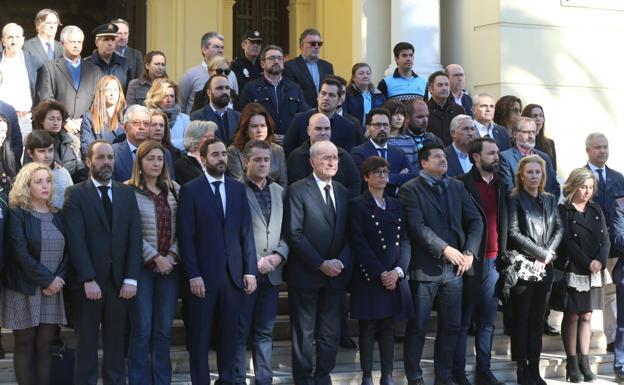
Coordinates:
column 380, row 125
column 223, row 71
column 380, row 172
column 144, row 123
column 274, row 58
column 315, row 43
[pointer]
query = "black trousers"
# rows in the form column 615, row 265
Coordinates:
column 528, row 304
column 307, row 308
column 384, row 330
column 111, row 312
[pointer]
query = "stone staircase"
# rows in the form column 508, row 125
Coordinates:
column 347, row 371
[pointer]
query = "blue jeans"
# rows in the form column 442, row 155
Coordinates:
column 486, row 313
column 448, row 287
column 151, row 315
column 257, row 318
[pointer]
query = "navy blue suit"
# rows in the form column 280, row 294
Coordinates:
column 500, row 135
column 397, row 159
column 509, row 160
column 344, row 133
column 124, row 163
column 220, row 251
column 454, row 167
column 615, row 190
column 616, row 232
column 207, row 113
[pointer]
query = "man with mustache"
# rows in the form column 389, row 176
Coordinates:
column 217, row 110
column 104, row 243
column 378, row 128
column 281, row 97
column 462, row 132
column 445, row 230
column 524, row 133
column 489, row 193
column 216, row 242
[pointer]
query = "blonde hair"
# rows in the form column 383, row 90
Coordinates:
column 157, row 92
column 98, row 109
column 518, row 177
column 20, row 193
column 575, row 180
column 216, row 61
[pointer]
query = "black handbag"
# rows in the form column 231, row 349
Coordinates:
column 62, row 368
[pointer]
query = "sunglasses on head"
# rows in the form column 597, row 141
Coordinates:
column 221, row 71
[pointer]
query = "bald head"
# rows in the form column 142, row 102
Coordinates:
column 12, row 39
column 457, row 78
column 319, row 128
column 418, row 115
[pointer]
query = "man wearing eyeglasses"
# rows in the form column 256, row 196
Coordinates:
column 308, row 70
column 378, row 129
column 281, row 97
column 137, row 127
column 247, row 67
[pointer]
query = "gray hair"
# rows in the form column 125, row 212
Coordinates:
column 194, row 132
column 7, row 26
column 475, row 99
column 457, row 120
column 133, row 109
column 205, row 40
column 316, row 147
column 517, row 125
column 70, row 29
column 594, row 135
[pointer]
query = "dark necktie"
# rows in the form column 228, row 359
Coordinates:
column 217, row 194
column 487, row 136
column 50, row 51
column 602, row 188
column 108, row 205
column 134, row 154
column 223, row 127
column 330, row 204
column 382, row 152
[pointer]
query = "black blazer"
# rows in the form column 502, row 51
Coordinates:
column 23, row 271
column 186, row 169
column 500, row 136
column 95, row 249
column 312, row 239
column 33, row 46
column 454, row 167
column 206, row 113
column 297, row 71
column 134, row 58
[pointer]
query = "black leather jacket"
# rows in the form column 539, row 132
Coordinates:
column 535, row 226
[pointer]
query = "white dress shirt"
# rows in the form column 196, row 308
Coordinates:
column 221, row 188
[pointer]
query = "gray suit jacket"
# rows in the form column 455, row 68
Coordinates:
column 134, row 58
column 55, row 82
column 33, row 46
column 268, row 236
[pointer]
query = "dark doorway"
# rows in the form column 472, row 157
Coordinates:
column 86, row 14
column 270, row 17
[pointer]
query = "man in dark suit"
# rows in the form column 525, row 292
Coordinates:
column 104, row 56
column 483, row 109
column 43, row 46
column 299, row 166
column 217, row 110
column 524, row 133
column 609, row 188
column 104, row 242
column 462, row 132
column 616, row 232
column 489, row 193
column 445, row 231
column 442, row 109
column 318, row 267
column 259, row 309
column 346, row 133
column 133, row 56
column 136, row 125
column 458, row 83
column 216, row 243
column 307, row 69
column 69, row 80
column 378, row 128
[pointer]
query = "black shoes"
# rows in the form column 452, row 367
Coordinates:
column 549, row 330
column 418, row 381
column 573, row 374
column 535, row 373
column 523, row 373
column 461, row 379
column 588, row 375
column 347, row 342
column 619, row 378
column 367, row 381
column 487, row 378
column 386, row 379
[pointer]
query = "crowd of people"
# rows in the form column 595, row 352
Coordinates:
column 124, row 191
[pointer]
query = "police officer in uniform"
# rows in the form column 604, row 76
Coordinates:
column 247, row 67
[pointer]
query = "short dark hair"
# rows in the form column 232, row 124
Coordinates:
column 209, row 82
column 373, row 163
column 203, row 150
column 476, row 146
column 409, row 106
column 332, row 81
column 90, row 150
column 261, row 144
column 425, row 152
column 340, row 79
column 43, row 14
column 402, row 46
column 205, row 39
column 434, row 75
column 377, row 111
column 38, row 139
column 41, row 110
column 269, row 48
column 306, row 32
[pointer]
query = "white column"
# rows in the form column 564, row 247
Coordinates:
column 417, row 22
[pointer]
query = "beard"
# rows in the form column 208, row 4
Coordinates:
column 493, row 167
column 102, row 174
column 381, row 138
column 216, row 170
column 221, row 101
column 275, row 70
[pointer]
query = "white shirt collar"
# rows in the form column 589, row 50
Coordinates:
column 384, row 147
column 213, row 179
column 594, row 167
column 98, row 184
column 320, row 183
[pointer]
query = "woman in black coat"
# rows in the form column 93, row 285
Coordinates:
column 379, row 292
column 535, row 231
column 583, row 256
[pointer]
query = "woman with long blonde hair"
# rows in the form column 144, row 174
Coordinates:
column 104, row 120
